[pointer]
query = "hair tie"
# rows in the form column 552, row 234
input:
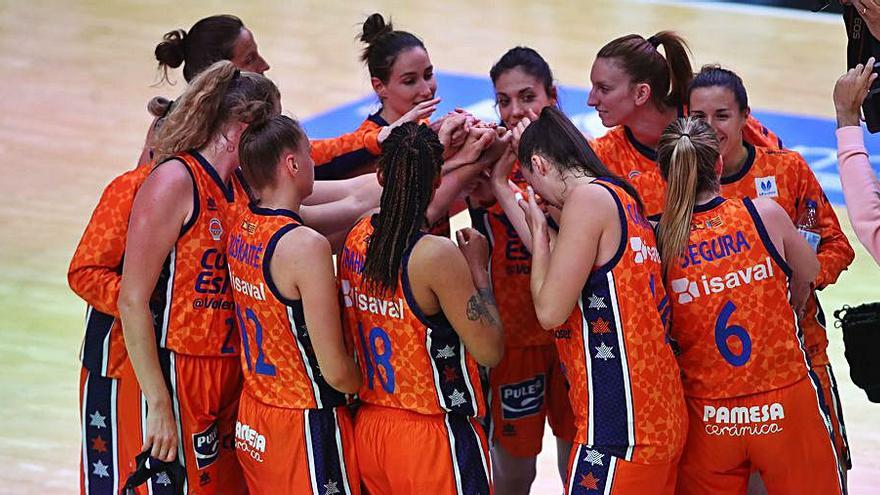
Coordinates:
column 654, row 41
column 236, row 74
column 684, row 134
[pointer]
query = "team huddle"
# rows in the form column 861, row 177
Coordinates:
column 273, row 314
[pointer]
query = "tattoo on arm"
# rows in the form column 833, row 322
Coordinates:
column 481, row 306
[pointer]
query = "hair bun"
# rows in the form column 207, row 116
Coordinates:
column 374, row 28
column 170, row 51
column 159, row 106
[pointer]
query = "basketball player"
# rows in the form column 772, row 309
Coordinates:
column 422, row 316
column 719, row 97
column 175, row 303
column 740, row 277
column 601, row 291
column 294, row 434
column 527, row 385
column 638, row 91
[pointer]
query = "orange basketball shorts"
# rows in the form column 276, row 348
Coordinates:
column 525, row 387
column 784, row 434
column 401, row 452
column 296, row 451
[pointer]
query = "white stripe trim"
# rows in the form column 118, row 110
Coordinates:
column 169, row 295
column 624, row 365
column 838, row 410
column 341, row 451
column 105, row 356
column 85, row 438
column 487, row 466
column 82, row 347
column 572, row 468
column 305, row 359
column 829, row 427
column 176, row 403
column 466, row 376
column 609, row 478
column 114, row 419
column 588, row 359
column 434, row 371
column 310, row 452
column 144, row 435
column 455, row 470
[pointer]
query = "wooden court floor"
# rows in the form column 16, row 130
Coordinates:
column 78, row 75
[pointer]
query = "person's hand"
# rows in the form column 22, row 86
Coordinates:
column 535, row 217
column 161, row 439
column 478, row 139
column 850, row 91
column 419, row 112
column 504, row 164
column 474, row 247
column 869, row 10
column 521, row 128
column 452, row 133
column 800, row 294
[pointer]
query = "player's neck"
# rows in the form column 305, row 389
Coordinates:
column 735, row 162
column 649, row 123
column 224, row 162
column 704, row 197
column 389, row 115
column 279, row 198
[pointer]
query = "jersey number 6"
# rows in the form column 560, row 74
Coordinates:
column 723, row 331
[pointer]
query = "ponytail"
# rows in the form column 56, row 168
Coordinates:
column 687, row 154
column 410, row 166
column 218, row 95
column 641, row 59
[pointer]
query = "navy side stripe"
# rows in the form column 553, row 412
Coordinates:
column 99, row 435
column 469, row 464
column 94, row 351
column 324, row 454
column 592, row 472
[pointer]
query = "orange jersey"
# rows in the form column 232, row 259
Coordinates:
column 510, row 266
column 625, row 389
column 730, row 310
column 278, row 360
column 785, row 176
column 409, row 360
column 350, row 154
column 96, row 271
column 192, row 303
column 637, row 163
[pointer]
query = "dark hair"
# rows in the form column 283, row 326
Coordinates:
column 530, row 61
column 219, row 94
column 667, row 76
column 410, row 164
column 715, row 75
column 687, row 154
column 384, row 44
column 209, row 40
column 262, row 145
column 556, row 138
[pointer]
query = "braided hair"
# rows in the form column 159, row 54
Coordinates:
column 410, row 166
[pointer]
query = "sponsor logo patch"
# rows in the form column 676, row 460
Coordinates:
column 250, row 441
column 766, row 186
column 206, row 446
column 215, row 228
column 522, row 399
column 742, row 421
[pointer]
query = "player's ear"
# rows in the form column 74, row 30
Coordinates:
column 540, row 165
column 380, row 177
column 290, row 163
column 642, row 93
column 379, row 87
column 746, row 112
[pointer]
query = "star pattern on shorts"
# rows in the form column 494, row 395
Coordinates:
column 449, row 374
column 603, row 352
column 594, row 458
column 99, row 445
column 456, row 398
column 330, row 488
column 601, row 326
column 597, row 302
column 97, row 420
column 589, row 482
column 446, row 352
column 100, row 469
column 163, row 479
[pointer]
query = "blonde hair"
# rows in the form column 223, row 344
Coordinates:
column 687, row 154
column 220, row 94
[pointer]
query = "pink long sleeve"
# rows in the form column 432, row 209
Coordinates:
column 861, row 190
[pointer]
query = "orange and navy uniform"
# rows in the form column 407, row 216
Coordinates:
column 111, row 436
column 751, row 398
column 527, row 384
column 194, row 320
column 350, row 154
column 635, row 162
column 293, row 433
column 624, row 382
column 785, row 176
column 420, row 383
